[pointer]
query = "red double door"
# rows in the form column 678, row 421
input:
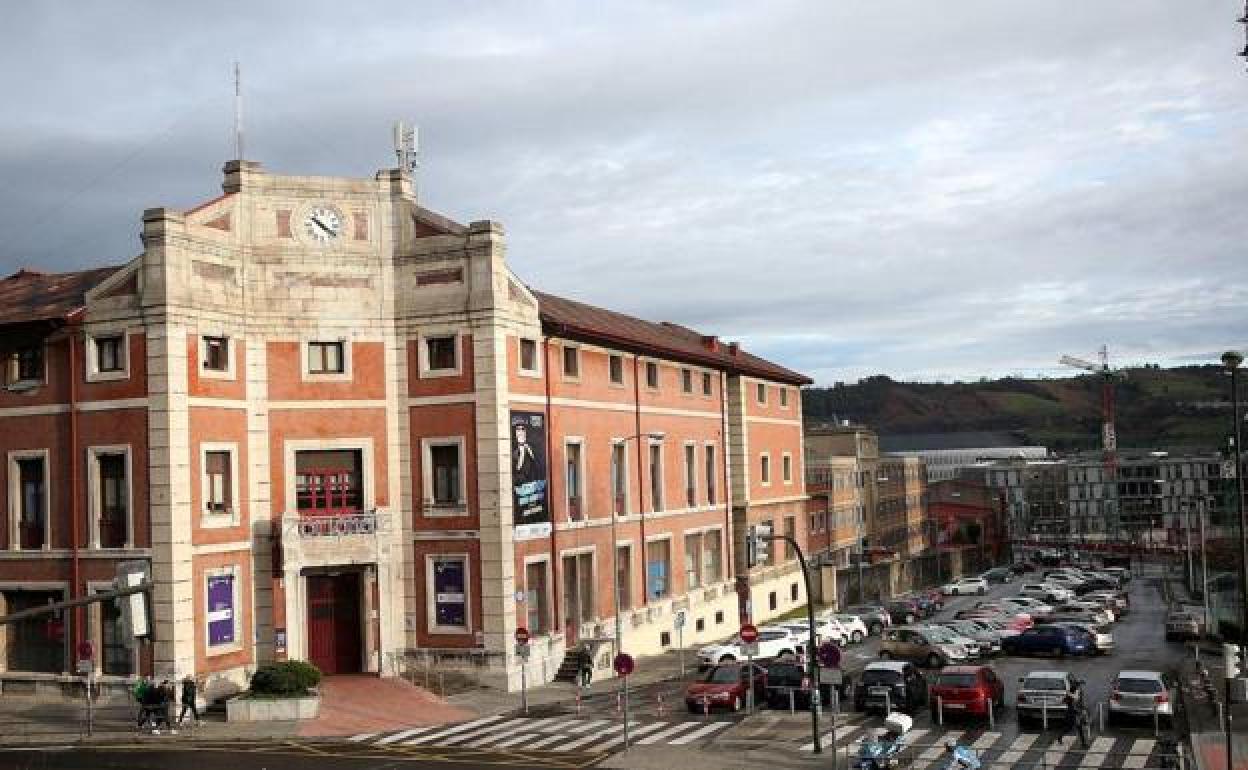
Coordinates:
column 334, row 630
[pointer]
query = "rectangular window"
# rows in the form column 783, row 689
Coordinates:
column 786, row 467
column 761, row 391
column 573, row 481
column 784, row 397
column 790, row 530
column 571, row 362
column 325, row 358
column 110, row 355
column 528, row 355
column 116, row 655
column 23, row 365
column 220, row 611
column 712, row 557
column 624, row 575
column 219, row 492
column 445, row 474
column 216, row 354
column 652, row 374
column 328, row 482
column 706, row 383
column 32, row 502
column 765, row 469
column 449, row 576
column 619, row 478
column 536, row 592
column 658, row 568
column 441, row 354
column 691, row 476
column 656, row 477
column 686, row 381
column 693, row 561
column 615, row 368
column 114, row 500
column 712, row 473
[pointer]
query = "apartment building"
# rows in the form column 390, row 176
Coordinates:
column 339, row 428
column 835, row 513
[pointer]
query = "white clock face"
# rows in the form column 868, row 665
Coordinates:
column 323, row 224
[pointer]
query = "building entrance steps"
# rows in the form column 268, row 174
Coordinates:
column 366, row 704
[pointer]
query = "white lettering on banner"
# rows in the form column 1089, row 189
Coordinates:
column 450, row 597
column 215, row 615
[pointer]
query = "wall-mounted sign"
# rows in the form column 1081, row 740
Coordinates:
column 529, row 499
column 220, row 613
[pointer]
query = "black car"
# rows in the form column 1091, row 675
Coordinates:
column 891, row 684
column 786, row 676
column 998, row 575
column 1095, row 584
column 904, row 611
column 1021, row 567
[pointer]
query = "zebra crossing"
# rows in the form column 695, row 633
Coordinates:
column 925, row 747
column 555, row 734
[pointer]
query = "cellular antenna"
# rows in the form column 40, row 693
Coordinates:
column 238, row 112
column 406, row 146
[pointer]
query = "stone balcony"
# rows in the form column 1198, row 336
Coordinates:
column 362, row 537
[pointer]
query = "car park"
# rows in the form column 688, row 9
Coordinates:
column 996, row 625
column 1181, row 625
column 914, row 644
column 1057, row 641
column 1102, row 639
column 1142, row 694
column 1049, row 594
column 998, row 575
column 968, row 585
column 1042, row 696
column 772, row 643
column 989, row 641
column 725, row 686
column 926, row 604
column 942, row 634
column 1021, row 568
column 875, row 616
column 1123, row 573
column 1096, row 584
column 1035, row 608
column 970, row 690
column 891, row 685
column 1004, row 609
column 1011, row 620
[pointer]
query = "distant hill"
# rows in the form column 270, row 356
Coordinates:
column 1156, row 408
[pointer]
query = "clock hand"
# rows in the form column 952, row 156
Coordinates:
column 322, row 225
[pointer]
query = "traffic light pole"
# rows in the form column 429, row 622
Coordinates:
column 812, row 661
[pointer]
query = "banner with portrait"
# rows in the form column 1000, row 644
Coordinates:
column 530, row 501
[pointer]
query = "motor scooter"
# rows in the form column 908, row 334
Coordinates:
column 961, row 758
column 883, row 750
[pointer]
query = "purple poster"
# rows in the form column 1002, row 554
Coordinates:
column 221, row 610
column 450, row 597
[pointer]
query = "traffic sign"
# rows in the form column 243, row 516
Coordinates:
column 522, row 635
column 678, row 620
column 624, row 664
column 522, row 651
column 829, row 655
column 749, row 634
column 750, row 649
column 86, row 651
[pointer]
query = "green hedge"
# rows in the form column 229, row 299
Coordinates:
column 289, row 678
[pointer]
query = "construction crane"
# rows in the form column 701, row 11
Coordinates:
column 1109, row 439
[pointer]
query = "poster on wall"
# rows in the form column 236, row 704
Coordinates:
column 450, row 597
column 529, row 502
column 220, row 610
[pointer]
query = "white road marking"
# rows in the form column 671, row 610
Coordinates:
column 705, row 730
column 513, row 740
column 679, row 727
column 484, row 733
column 1140, row 751
column 589, row 738
column 473, row 725
column 406, row 734
column 1020, row 745
column 545, row 741
column 632, row 734
column 985, row 741
column 586, row 726
column 356, row 738
column 843, row 735
column 1096, row 754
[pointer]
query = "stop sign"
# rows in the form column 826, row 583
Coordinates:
column 624, row 664
column 749, row 634
column 522, row 635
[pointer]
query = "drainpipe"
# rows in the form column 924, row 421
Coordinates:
column 75, row 513
column 729, row 540
column 641, row 492
column 554, row 551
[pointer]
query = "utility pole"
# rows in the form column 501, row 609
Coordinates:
column 1231, row 360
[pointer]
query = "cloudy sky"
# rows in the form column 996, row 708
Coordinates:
column 921, row 189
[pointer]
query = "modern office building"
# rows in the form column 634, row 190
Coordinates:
column 945, row 454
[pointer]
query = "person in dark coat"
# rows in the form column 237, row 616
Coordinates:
column 585, row 662
column 190, row 691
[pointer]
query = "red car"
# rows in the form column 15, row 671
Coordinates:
column 725, row 686
column 966, row 690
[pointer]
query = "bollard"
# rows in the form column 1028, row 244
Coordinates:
column 706, row 706
column 749, row 699
column 619, row 703
column 888, row 703
column 1100, row 715
column 940, row 710
column 660, row 698
column 1156, row 720
column 1044, row 713
column 1180, row 760
column 578, row 701
column 1220, row 720
column 992, row 717
column 792, row 707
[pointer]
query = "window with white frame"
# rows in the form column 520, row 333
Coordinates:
column 28, row 499
column 574, row 478
column 652, row 375
column 442, row 475
column 215, row 354
column 624, row 575
column 110, row 353
column 23, row 365
column 764, row 468
column 712, row 556
column 326, row 357
column 712, row 473
column 659, row 568
column 786, row 467
column 220, row 487
column 222, row 613
column 706, row 383
column 761, row 392
column 615, row 369
column 571, row 362
column 537, row 596
column 109, row 479
column 441, row 354
column 656, row 477
column 784, row 397
column 693, row 561
column 686, row 381
column 528, row 356
column 447, row 582
column 619, row 477
column 691, row 475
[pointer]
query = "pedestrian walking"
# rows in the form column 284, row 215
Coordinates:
column 190, row 691
column 585, row 662
column 1077, row 720
column 169, row 700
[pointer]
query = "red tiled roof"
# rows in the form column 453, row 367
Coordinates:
column 29, row 295
column 580, row 321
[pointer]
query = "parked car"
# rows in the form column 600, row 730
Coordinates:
column 1057, row 641
column 891, row 685
column 725, row 686
column 967, row 585
column 1102, row 639
column 919, row 646
column 1141, row 694
column 998, row 575
column 877, row 617
column 1121, row 601
column 785, row 676
column 1123, row 573
column 1004, row 609
column 1035, row 608
column 772, row 643
column 989, row 641
column 1044, row 692
column 927, row 606
column 970, row 690
column 903, row 611
column 997, row 625
column 1098, row 613
column 1022, row 567
column 1012, row 620
column 854, row 625
column 1096, row 584
column 1074, row 616
column 1181, row 624
column 942, row 634
column 827, row 629
column 1045, row 592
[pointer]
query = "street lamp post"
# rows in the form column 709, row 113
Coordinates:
column 1231, row 360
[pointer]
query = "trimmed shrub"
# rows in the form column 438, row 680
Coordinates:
column 289, row 678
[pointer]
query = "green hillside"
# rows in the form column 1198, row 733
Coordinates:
column 1181, row 407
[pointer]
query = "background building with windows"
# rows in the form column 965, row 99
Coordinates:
column 341, row 429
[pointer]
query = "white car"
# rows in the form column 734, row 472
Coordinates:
column 969, row 585
column 1046, row 592
column 853, row 624
column 1032, row 606
column 827, row 629
column 773, row 642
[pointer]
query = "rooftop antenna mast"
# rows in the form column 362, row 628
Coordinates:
column 407, row 147
column 238, row 112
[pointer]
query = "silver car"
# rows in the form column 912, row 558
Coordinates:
column 1042, row 695
column 1142, row 694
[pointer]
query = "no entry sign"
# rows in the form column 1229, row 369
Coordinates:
column 522, row 635
column 624, row 664
column 749, row 634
